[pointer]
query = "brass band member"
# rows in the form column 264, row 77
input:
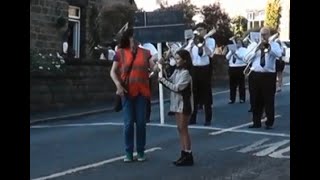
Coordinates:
column 201, row 74
column 154, row 54
column 236, row 68
column 263, row 78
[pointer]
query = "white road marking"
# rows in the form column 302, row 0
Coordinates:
column 220, row 92
column 279, row 154
column 267, row 149
column 287, row 84
column 81, row 168
column 231, row 147
column 270, row 149
column 77, row 125
column 261, row 133
column 237, row 127
column 94, row 111
column 220, row 130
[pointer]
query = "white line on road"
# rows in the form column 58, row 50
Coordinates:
column 261, row 133
column 223, row 129
column 231, row 147
column 76, row 125
column 220, row 130
column 93, row 111
column 220, row 92
column 287, row 84
column 237, row 127
column 81, row 168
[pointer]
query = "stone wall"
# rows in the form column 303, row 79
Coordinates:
column 91, row 84
column 44, row 34
column 80, row 84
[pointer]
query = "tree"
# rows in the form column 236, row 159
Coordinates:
column 215, row 17
column 188, row 9
column 272, row 31
column 94, row 38
column 112, row 19
column 239, row 25
column 273, row 14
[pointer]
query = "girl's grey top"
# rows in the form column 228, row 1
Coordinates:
column 180, row 85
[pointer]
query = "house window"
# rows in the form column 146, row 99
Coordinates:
column 250, row 16
column 74, row 12
column 74, row 25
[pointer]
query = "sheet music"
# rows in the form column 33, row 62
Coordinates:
column 255, row 36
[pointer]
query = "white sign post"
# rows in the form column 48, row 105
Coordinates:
column 159, row 47
column 156, row 27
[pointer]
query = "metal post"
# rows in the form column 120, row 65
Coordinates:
column 160, row 87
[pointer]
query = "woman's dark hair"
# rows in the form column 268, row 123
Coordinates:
column 125, row 38
column 185, row 55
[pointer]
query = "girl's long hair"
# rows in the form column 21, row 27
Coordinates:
column 185, row 55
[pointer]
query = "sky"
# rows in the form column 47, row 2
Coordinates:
column 232, row 7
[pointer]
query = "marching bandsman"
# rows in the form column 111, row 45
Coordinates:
column 263, row 74
column 201, row 73
column 236, row 68
column 154, row 54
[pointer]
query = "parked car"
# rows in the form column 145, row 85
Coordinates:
column 286, row 46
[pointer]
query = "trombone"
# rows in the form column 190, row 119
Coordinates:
column 246, row 39
column 248, row 60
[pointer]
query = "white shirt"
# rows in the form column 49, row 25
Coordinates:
column 204, row 59
column 111, row 54
column 239, row 55
column 150, row 47
column 270, row 58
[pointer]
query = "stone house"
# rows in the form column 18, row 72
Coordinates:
column 50, row 19
column 83, row 83
column 256, row 19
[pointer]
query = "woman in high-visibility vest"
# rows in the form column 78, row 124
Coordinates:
column 130, row 74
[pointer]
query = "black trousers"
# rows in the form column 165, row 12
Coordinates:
column 148, row 114
column 237, row 80
column 250, row 90
column 202, row 92
column 263, row 93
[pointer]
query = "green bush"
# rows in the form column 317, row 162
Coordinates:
column 46, row 62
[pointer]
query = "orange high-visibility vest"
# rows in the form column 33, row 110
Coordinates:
column 138, row 79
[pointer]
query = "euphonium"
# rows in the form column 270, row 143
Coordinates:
column 200, row 41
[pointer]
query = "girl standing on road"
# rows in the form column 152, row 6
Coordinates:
column 181, row 102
